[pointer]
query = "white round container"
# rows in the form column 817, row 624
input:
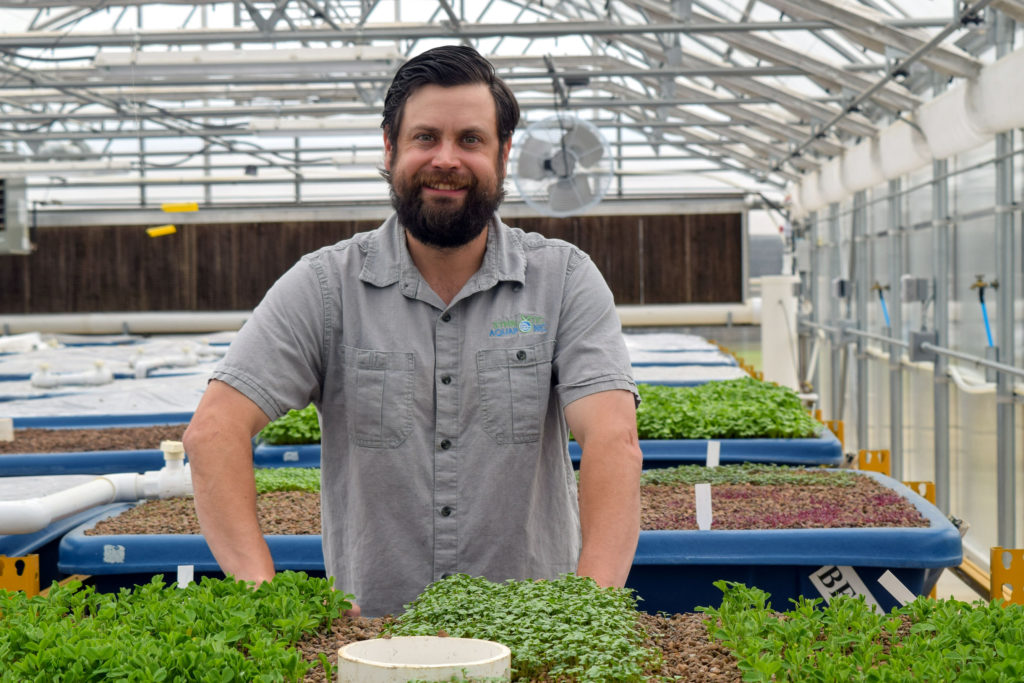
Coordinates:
column 423, row 658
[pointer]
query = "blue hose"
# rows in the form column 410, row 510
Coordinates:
column 885, row 309
column 984, row 314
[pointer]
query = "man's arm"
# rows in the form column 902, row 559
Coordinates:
column 219, row 447
column 604, row 424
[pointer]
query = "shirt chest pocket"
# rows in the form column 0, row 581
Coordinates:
column 379, row 390
column 515, row 385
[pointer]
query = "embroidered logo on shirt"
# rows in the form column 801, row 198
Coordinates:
column 523, row 324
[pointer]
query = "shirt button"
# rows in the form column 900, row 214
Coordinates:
column 445, row 444
column 521, row 355
column 446, row 317
column 446, row 511
column 447, row 379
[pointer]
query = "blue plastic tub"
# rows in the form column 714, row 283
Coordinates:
column 92, row 421
column 162, row 553
column 45, row 542
column 674, row 571
column 821, row 450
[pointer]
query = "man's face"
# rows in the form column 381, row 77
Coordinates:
column 447, row 167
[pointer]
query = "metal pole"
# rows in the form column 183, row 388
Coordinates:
column 815, row 287
column 860, row 243
column 943, row 277
column 1006, row 260
column 896, row 318
column 835, row 314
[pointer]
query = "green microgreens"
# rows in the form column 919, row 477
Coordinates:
column 926, row 640
column 756, row 474
column 288, row 479
column 217, row 630
column 566, row 629
column 296, row 427
column 743, row 408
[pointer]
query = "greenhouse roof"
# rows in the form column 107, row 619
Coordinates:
column 127, row 103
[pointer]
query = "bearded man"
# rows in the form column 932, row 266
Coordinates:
column 448, row 356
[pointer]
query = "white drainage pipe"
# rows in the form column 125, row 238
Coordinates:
column 143, row 366
column 46, row 379
column 34, row 514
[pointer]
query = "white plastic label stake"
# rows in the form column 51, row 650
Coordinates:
column 831, row 581
column 714, row 450
column 896, row 588
column 702, row 493
column 6, row 429
column 186, row 572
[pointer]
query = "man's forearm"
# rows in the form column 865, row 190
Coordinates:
column 220, row 456
column 609, row 511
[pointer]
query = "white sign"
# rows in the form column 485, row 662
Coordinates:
column 714, row 450
column 831, row 581
column 6, row 429
column 896, row 588
column 702, row 492
column 186, row 572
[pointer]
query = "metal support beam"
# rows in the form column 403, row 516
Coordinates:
column 1006, row 272
column 835, row 311
column 896, row 319
column 940, row 305
column 862, row 291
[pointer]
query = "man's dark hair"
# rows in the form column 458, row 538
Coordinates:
column 448, row 66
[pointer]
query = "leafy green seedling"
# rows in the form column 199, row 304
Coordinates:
column 296, row 427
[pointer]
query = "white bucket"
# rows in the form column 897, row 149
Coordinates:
column 423, row 658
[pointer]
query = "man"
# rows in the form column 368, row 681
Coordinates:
column 448, row 356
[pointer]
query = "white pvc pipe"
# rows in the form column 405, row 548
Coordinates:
column 122, row 323
column 748, row 313
column 29, row 515
column 45, row 379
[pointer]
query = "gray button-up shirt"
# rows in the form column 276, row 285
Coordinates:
column 444, row 442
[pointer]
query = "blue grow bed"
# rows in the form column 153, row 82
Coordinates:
column 44, row 542
column 109, row 462
column 101, row 420
column 821, row 450
column 162, row 553
column 674, row 571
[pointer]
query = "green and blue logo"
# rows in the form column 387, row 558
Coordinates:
column 522, row 324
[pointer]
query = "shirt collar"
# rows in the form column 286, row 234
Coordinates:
column 388, row 260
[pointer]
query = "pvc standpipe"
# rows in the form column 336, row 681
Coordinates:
column 45, row 379
column 34, row 514
column 423, row 658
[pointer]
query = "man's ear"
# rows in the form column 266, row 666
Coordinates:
column 387, row 152
column 506, row 149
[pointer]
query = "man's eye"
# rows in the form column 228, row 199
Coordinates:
column 471, row 139
column 424, row 137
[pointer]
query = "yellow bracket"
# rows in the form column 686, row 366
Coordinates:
column 20, row 574
column 1007, row 571
column 925, row 489
column 874, row 461
column 836, row 427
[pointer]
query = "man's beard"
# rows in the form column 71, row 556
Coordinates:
column 444, row 224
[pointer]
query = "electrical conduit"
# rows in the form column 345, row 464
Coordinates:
column 34, row 514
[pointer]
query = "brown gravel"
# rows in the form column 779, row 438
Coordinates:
column 687, row 652
column 78, row 440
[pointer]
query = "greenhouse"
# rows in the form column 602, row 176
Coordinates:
column 512, row 340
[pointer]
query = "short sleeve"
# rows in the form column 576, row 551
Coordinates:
column 590, row 354
column 278, row 356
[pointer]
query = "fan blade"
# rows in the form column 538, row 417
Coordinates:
column 532, row 155
column 586, row 144
column 569, row 194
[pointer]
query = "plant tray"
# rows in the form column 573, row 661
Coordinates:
column 674, row 571
column 821, row 450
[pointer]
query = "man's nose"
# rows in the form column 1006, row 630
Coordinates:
column 447, row 155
